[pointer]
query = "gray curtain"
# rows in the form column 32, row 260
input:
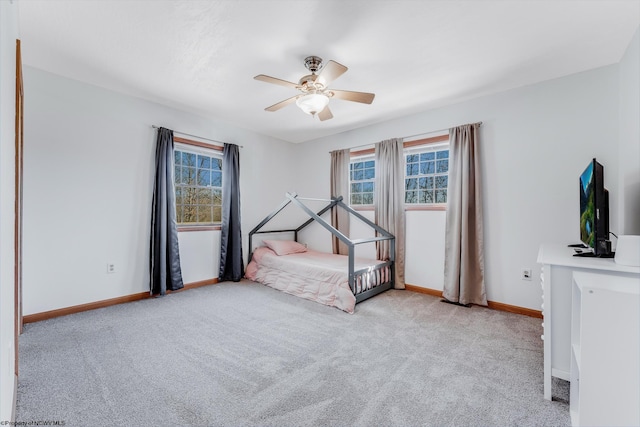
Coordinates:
column 231, row 263
column 389, row 201
column 464, row 242
column 165, row 272
column 340, row 160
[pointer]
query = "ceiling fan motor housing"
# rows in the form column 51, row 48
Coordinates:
column 311, row 82
column 313, row 63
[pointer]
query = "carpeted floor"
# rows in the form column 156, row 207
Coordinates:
column 242, row 354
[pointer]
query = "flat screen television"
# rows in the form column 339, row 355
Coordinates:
column 594, row 210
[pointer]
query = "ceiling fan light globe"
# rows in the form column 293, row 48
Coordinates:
column 312, row 103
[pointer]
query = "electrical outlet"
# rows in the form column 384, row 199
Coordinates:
column 526, row 274
column 111, row 268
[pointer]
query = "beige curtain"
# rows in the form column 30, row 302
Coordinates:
column 340, row 160
column 389, row 201
column 464, row 252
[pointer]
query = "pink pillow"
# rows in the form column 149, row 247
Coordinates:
column 285, row 247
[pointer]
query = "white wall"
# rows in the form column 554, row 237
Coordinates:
column 535, row 142
column 88, row 178
column 629, row 207
column 8, row 36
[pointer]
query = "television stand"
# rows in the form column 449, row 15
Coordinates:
column 585, row 254
column 578, row 245
column 593, row 255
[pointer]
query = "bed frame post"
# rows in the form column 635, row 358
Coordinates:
column 352, row 276
column 264, row 221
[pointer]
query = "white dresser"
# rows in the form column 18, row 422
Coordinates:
column 558, row 266
column 605, row 350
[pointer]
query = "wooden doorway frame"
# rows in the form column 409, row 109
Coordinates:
column 18, row 202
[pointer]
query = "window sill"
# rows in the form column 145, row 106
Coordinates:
column 406, row 208
column 182, row 228
column 425, row 208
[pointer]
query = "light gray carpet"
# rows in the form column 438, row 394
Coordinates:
column 246, row 355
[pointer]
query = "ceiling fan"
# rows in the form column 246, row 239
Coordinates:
column 314, row 97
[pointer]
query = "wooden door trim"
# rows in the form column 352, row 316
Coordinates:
column 17, row 231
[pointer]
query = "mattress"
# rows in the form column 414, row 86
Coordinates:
column 316, row 276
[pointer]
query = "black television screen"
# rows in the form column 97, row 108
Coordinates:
column 594, row 210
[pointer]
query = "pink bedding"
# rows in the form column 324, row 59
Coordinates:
column 316, row 276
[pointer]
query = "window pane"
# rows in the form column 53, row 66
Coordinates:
column 216, row 164
column 216, row 179
column 204, row 162
column 188, row 159
column 189, row 213
column 177, row 155
column 177, row 174
column 412, row 169
column 217, row 197
column 442, row 166
column 367, row 187
column 178, row 196
column 358, row 175
column 370, row 164
column 369, row 173
column 441, row 181
column 204, row 214
column 410, row 197
column 429, row 183
column 356, row 187
column 358, row 166
column 188, row 176
column 179, row 214
column 428, row 197
column 411, row 184
column 204, row 177
column 441, row 196
column 427, row 167
column 204, row 196
column 411, row 158
column 367, row 198
column 217, row 214
column 427, row 156
column 443, row 154
column 356, row 199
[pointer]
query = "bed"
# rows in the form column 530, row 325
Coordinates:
column 340, row 281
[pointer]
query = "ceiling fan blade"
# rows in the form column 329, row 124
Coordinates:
column 331, row 71
column 347, row 95
column 325, row 114
column 269, row 79
column 281, row 104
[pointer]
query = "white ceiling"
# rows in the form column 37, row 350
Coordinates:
column 201, row 56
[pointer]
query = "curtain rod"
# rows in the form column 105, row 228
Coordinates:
column 436, row 131
column 412, row 136
column 194, row 136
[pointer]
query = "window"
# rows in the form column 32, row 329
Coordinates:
column 362, row 173
column 198, row 183
column 427, row 175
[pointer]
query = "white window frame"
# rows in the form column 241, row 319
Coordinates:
column 426, row 175
column 216, row 191
column 369, row 182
